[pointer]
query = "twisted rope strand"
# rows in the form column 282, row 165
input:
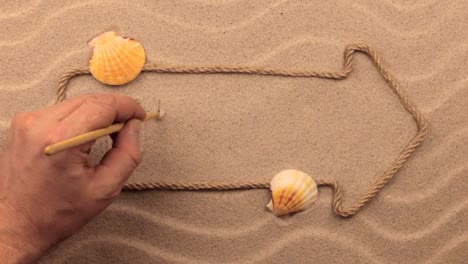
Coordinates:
column 65, row 79
column 201, row 186
column 337, row 202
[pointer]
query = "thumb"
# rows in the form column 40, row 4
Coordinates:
column 120, row 161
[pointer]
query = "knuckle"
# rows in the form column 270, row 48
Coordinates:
column 114, row 193
column 104, row 100
column 56, row 135
column 107, row 192
column 19, row 119
column 138, row 159
column 135, row 160
column 23, row 120
column 104, row 105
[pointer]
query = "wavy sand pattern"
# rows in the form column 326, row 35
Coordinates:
column 247, row 127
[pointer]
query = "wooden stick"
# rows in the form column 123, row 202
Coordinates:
column 90, row 136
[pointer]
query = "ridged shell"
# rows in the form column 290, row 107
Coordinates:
column 292, row 191
column 116, row 60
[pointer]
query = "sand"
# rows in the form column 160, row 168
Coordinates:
column 239, row 127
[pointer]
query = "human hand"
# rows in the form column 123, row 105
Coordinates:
column 45, row 199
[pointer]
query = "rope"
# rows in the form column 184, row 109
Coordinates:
column 337, row 206
column 142, row 186
column 65, row 79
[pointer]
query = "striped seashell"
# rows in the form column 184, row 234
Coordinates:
column 292, row 191
column 116, row 60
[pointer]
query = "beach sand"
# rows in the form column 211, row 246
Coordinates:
column 245, row 127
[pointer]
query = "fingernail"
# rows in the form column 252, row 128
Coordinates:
column 136, row 126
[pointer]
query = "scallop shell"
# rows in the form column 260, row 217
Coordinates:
column 292, row 191
column 116, row 60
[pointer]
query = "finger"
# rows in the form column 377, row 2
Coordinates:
column 119, row 162
column 100, row 111
column 59, row 111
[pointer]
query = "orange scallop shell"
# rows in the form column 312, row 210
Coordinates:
column 292, row 191
column 116, row 60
